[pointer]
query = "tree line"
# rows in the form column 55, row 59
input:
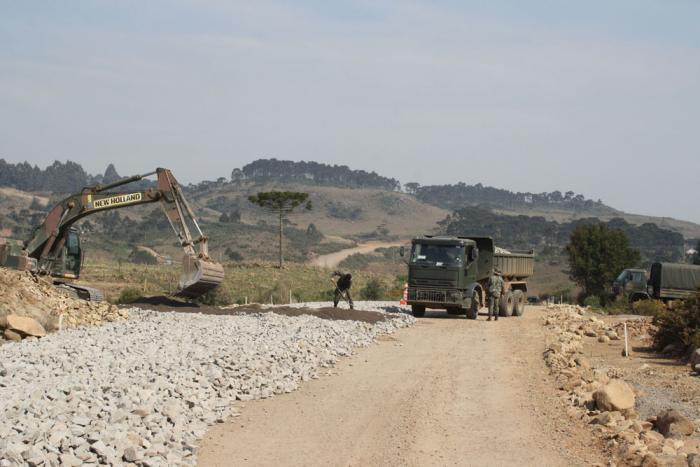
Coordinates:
column 525, row 232
column 461, row 194
column 312, row 173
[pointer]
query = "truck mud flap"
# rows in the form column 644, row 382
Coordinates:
column 199, row 277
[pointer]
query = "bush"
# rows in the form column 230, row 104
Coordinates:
column 680, row 327
column 129, row 295
column 592, row 301
column 220, row 296
column 647, row 307
column 373, row 290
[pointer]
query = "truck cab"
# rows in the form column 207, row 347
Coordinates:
column 631, row 283
column 70, row 260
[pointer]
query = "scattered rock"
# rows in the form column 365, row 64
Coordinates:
column 603, row 339
column 616, row 395
column 672, row 424
column 25, row 326
column 11, row 335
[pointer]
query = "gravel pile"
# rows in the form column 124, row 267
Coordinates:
column 144, row 390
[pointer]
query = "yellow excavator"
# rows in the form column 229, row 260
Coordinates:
column 54, row 247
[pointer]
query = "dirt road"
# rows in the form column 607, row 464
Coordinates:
column 448, row 391
column 331, row 260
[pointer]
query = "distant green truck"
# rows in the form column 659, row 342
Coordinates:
column 665, row 282
column 452, row 274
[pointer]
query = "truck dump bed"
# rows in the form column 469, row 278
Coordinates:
column 672, row 276
column 515, row 264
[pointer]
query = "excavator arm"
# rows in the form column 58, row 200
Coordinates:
column 200, row 274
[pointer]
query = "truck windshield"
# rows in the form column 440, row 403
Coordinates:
column 622, row 277
column 438, row 255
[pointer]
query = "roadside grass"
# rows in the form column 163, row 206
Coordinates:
column 251, row 282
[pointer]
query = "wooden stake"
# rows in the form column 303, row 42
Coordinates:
column 627, row 352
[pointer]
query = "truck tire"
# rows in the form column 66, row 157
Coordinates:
column 505, row 305
column 473, row 311
column 418, row 310
column 518, row 303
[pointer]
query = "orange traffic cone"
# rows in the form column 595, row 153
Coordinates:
column 404, row 299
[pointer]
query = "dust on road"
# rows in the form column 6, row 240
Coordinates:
column 448, row 391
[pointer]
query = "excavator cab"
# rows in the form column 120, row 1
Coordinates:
column 70, row 258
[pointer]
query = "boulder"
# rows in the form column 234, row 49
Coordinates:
column 25, row 325
column 616, row 395
column 11, row 335
column 603, row 339
column 672, row 424
column 695, row 358
column 693, row 460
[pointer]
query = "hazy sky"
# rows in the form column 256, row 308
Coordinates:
column 598, row 97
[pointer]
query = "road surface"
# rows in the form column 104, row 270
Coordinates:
column 332, row 260
column 448, row 391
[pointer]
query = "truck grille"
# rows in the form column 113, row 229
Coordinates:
column 427, row 295
column 434, row 282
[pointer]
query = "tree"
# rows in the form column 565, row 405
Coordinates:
column 597, row 254
column 696, row 260
column 282, row 203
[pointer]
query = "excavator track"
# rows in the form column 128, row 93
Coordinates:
column 81, row 291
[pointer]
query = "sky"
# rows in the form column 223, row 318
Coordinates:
column 598, row 97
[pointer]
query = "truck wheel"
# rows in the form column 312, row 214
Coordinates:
column 473, row 311
column 418, row 310
column 518, row 303
column 505, row 305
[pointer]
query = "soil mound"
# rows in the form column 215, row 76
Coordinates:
column 163, row 303
column 26, row 295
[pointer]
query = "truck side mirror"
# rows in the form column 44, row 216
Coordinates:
column 402, row 251
column 474, row 254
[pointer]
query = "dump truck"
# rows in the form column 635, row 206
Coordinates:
column 452, row 274
column 54, row 249
column 665, row 282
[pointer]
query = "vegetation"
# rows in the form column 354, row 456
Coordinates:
column 373, row 290
column 312, row 173
column 679, row 327
column 129, row 295
column 596, row 256
column 461, row 194
column 282, row 203
column 523, row 232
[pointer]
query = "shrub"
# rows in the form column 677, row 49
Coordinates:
column 680, row 327
column 647, row 307
column 220, row 296
column 373, row 290
column 592, row 301
column 129, row 295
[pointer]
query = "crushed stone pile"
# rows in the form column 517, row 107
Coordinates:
column 25, row 295
column 599, row 397
column 143, row 391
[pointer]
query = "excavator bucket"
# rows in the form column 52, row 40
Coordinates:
column 199, row 277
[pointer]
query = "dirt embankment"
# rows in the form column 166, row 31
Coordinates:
column 332, row 260
column 27, row 296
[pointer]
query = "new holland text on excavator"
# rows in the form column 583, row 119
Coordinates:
column 54, row 248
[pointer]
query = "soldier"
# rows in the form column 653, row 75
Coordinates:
column 495, row 289
column 342, row 288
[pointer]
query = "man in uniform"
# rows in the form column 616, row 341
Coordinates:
column 495, row 289
column 342, row 287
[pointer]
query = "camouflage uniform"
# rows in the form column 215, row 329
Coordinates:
column 495, row 289
column 342, row 287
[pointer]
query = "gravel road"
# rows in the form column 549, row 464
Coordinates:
column 447, row 391
column 146, row 389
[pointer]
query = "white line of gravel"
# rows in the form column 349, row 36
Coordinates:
column 143, row 391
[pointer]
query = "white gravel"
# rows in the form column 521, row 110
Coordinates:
column 144, row 390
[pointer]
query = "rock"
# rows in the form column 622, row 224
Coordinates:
column 693, row 460
column 25, row 326
column 612, row 335
column 606, row 418
column 3, row 370
column 69, row 460
column 11, row 335
column 603, row 339
column 616, row 395
column 132, row 454
column 694, row 358
column 672, row 424
column 590, row 333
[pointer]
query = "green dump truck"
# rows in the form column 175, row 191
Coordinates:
column 665, row 281
column 452, row 273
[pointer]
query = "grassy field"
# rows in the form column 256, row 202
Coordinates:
column 254, row 282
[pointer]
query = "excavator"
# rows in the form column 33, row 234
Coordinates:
column 54, row 247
